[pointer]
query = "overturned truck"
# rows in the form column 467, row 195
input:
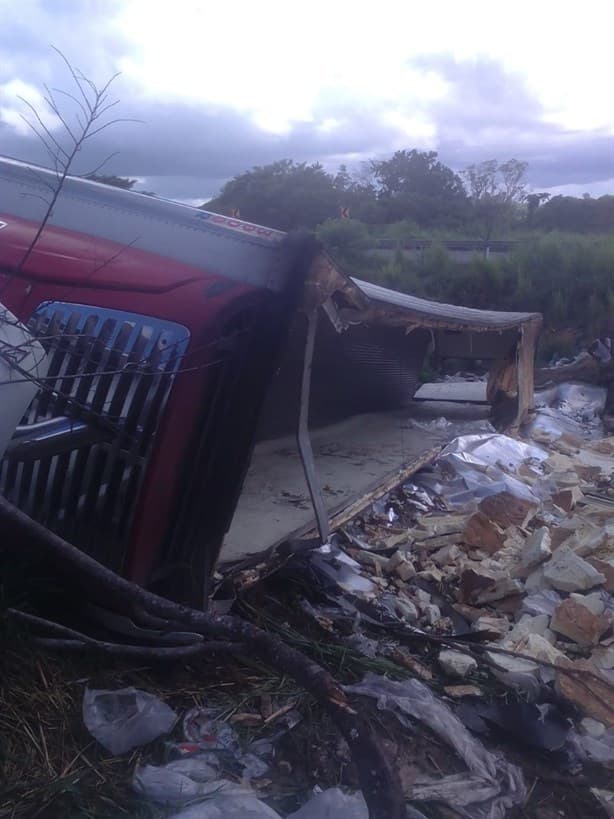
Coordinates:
column 213, row 387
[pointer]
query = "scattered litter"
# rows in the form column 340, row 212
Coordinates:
column 570, row 409
column 126, row 718
column 457, row 428
column 204, row 731
column 592, row 692
column 460, row 691
column 539, row 726
column 597, row 748
column 495, row 784
column 342, row 570
column 499, row 456
column 455, row 663
column 499, row 545
column 333, row 804
column 227, row 805
column 592, row 727
column 203, row 727
column 606, row 800
column 180, row 781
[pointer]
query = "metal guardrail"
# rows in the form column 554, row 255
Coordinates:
column 496, row 246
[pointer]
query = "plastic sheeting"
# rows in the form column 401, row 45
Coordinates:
column 596, row 749
column 575, row 409
column 228, row 805
column 492, row 787
column 472, row 467
column 441, row 424
column 180, row 781
column 333, row 804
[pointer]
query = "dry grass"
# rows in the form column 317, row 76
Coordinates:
column 50, row 767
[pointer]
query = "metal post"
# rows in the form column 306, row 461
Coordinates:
column 304, row 441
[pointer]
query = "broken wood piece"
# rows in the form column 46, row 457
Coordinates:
column 591, row 692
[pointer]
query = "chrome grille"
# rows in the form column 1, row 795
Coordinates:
column 113, row 369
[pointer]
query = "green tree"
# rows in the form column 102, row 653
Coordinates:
column 495, row 189
column 577, row 215
column 415, row 185
column 284, row 195
column 344, row 238
column 357, row 193
column 534, row 200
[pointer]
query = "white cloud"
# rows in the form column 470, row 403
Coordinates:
column 277, row 61
column 13, row 109
column 595, row 189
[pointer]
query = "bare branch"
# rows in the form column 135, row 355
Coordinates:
column 108, row 84
column 73, row 74
column 40, row 179
column 53, row 154
column 93, row 105
column 73, row 98
column 36, row 196
column 93, row 133
column 164, row 653
column 103, row 108
column 72, row 640
column 49, row 99
column 44, row 128
column 102, row 164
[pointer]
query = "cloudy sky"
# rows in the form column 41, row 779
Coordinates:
column 218, row 87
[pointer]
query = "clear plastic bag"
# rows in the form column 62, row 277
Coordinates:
column 126, row 718
column 177, row 782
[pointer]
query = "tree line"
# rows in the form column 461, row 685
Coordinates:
column 412, row 189
column 563, row 268
column 486, row 200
